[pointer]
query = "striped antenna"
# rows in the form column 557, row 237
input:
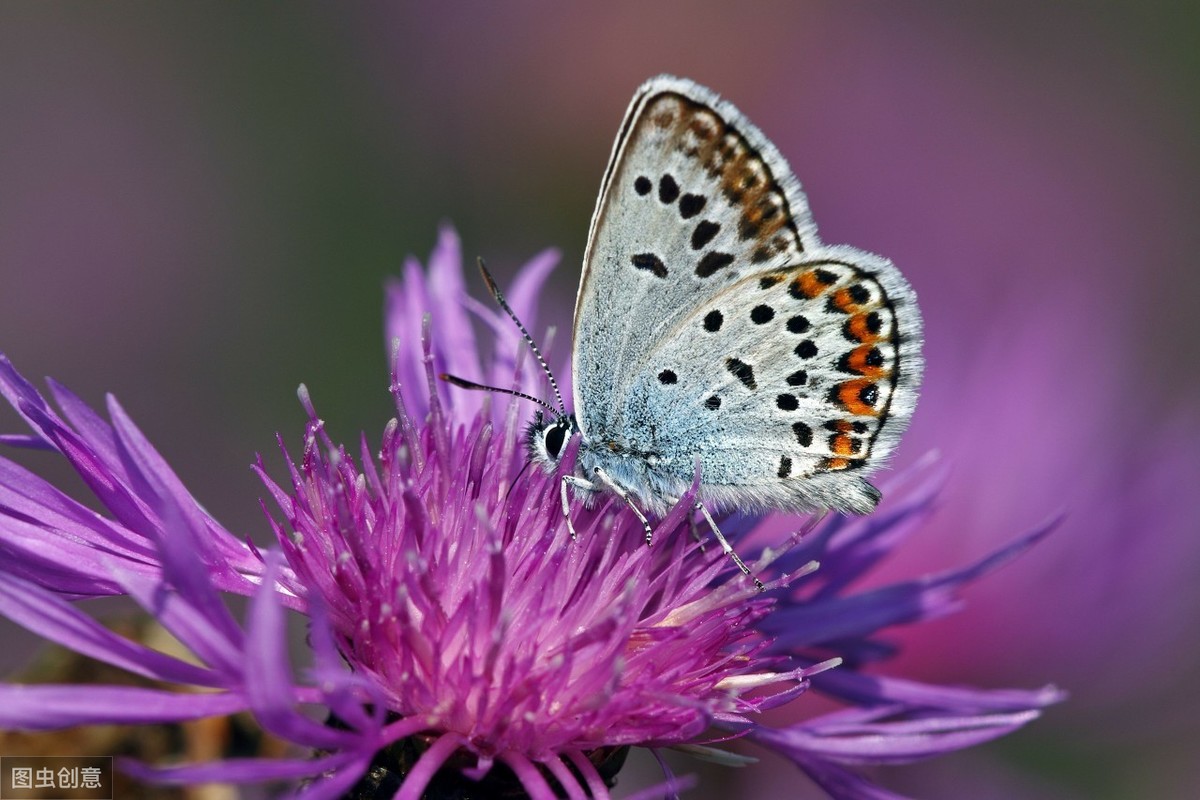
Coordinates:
column 463, row 383
column 495, row 290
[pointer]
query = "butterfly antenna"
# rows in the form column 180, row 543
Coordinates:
column 495, row 290
column 463, row 383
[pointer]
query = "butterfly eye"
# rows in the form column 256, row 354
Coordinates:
column 553, row 438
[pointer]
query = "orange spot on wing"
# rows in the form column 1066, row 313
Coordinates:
column 859, row 359
column 858, row 327
column 808, row 284
column 843, row 302
column 858, row 396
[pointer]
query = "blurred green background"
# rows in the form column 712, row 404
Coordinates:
column 199, row 204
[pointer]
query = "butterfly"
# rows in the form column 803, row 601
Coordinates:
column 714, row 331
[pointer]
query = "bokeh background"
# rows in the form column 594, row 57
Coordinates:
column 199, row 204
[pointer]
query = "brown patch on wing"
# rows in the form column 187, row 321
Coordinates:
column 743, row 176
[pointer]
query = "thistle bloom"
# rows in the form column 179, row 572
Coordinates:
column 456, row 633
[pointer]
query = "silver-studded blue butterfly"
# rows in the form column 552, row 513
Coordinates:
column 713, row 326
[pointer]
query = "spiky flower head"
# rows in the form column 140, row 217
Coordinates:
column 457, row 634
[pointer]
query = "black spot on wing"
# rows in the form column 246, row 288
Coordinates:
column 651, row 263
column 668, row 189
column 803, row 434
column 742, row 371
column 762, row 314
column 806, row 349
column 704, row 233
column 712, row 262
column 690, row 205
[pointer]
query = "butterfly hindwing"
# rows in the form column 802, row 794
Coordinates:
column 790, row 385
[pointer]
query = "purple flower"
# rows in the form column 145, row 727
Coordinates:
column 456, row 633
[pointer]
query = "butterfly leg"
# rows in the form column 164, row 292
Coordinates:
column 624, row 495
column 726, row 548
column 578, row 483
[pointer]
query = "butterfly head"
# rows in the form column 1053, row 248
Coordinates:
column 547, row 436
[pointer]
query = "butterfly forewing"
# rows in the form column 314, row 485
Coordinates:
column 691, row 201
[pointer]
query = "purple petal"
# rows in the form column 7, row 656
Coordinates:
column 858, row 615
column 104, row 481
column 211, row 541
column 848, row 546
column 61, row 564
column 566, row 779
column 20, row 392
column 824, row 621
column 527, row 286
column 428, row 764
column 531, row 779
column 89, row 424
column 440, row 293
column 268, row 680
column 889, row 742
column 46, row 707
column 190, row 625
column 48, row 615
column 23, row 494
column 26, row 441
column 455, row 339
column 591, row 777
column 343, row 690
column 521, row 296
column 882, row 532
column 872, row 690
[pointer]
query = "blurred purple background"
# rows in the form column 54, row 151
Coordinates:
column 199, row 205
